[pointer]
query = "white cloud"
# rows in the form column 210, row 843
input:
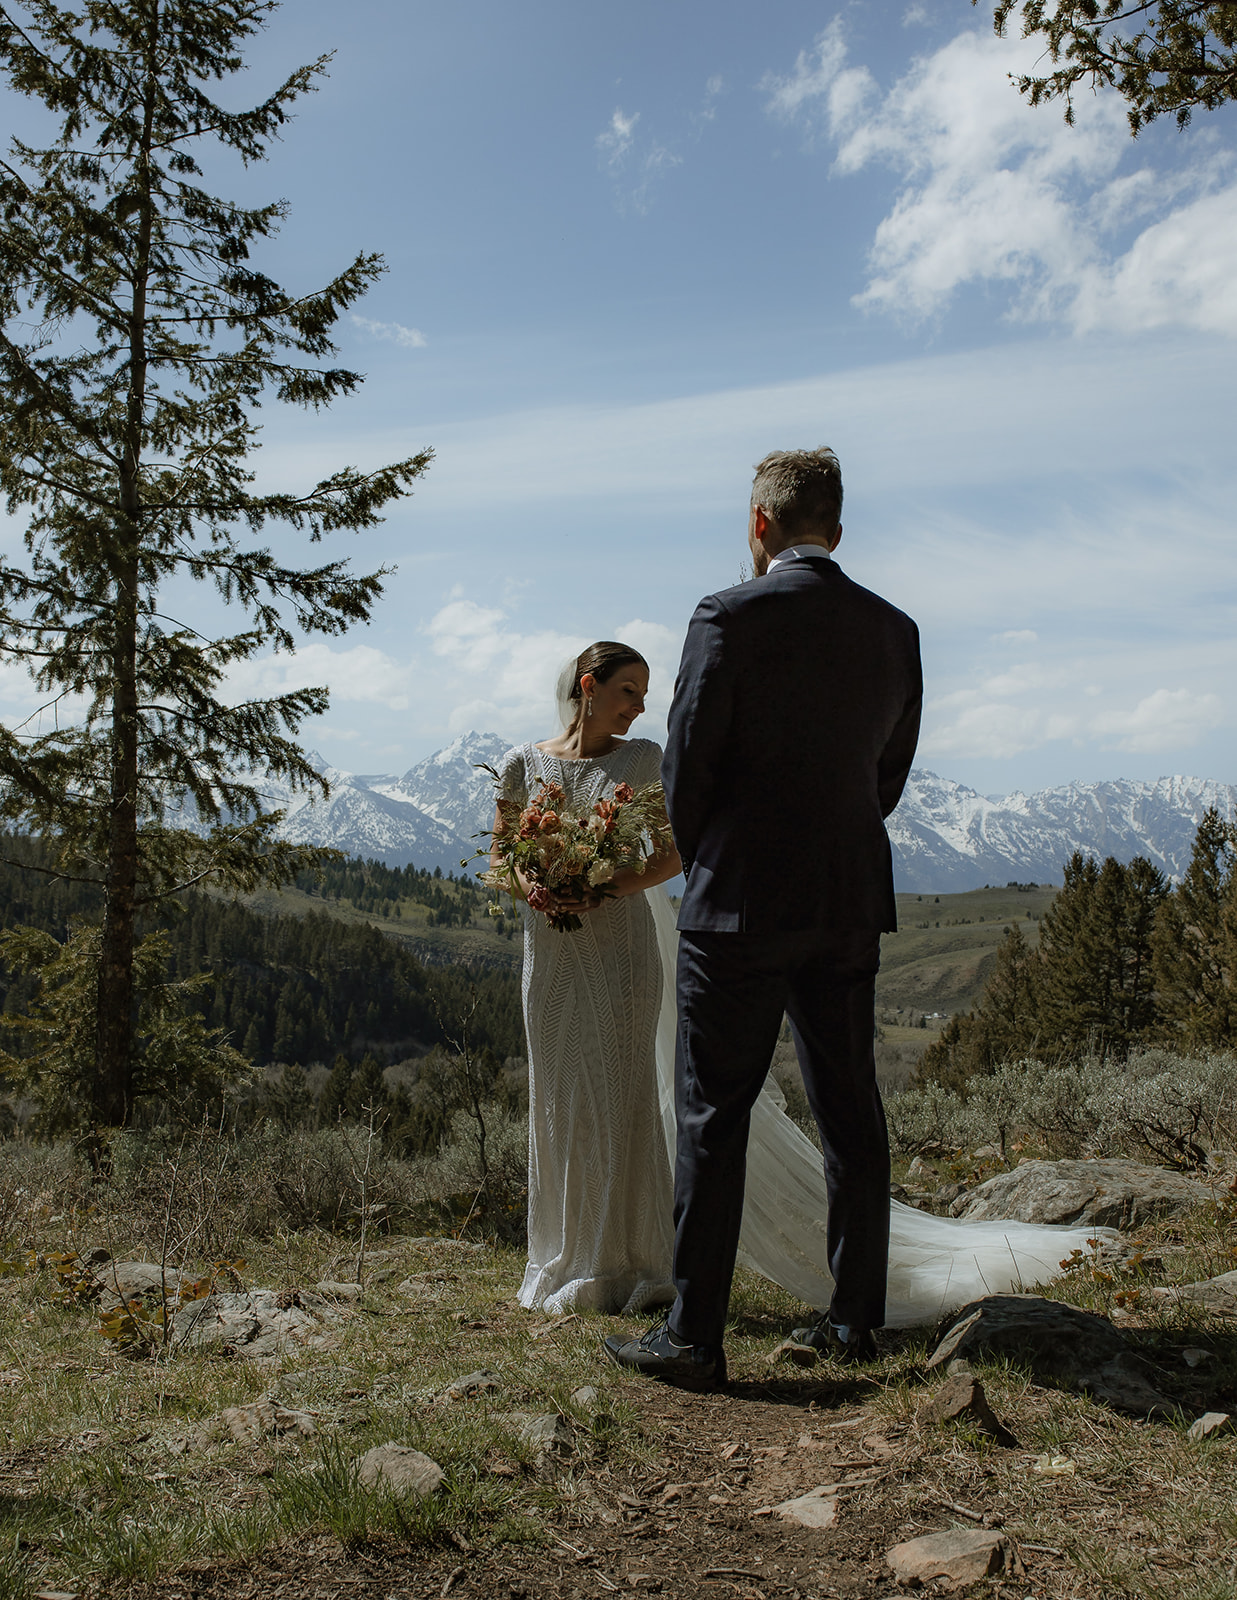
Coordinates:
column 1016, row 636
column 635, row 165
column 820, row 83
column 503, row 677
column 615, row 141
column 994, row 190
column 1011, row 714
column 1168, row 719
column 356, row 674
column 394, row 332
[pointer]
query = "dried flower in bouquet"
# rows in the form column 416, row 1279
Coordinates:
column 560, row 850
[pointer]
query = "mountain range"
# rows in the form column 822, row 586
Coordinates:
column 945, row 837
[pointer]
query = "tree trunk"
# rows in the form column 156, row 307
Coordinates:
column 115, row 1014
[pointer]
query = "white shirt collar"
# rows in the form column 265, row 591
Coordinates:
column 814, row 552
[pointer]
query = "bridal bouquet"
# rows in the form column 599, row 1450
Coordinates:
column 563, row 851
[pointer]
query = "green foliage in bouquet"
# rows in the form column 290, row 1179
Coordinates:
column 562, row 851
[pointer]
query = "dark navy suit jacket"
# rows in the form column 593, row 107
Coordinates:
column 791, row 735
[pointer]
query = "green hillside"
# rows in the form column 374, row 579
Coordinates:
column 945, row 946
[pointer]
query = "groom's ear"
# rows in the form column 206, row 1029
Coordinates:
column 760, row 522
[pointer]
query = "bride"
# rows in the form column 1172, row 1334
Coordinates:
column 600, row 1024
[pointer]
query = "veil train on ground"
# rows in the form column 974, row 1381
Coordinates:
column 936, row 1264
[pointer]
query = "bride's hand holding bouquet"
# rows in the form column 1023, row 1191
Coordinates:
column 564, row 861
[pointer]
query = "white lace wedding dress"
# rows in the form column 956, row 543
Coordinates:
column 599, row 1186
column 599, row 1015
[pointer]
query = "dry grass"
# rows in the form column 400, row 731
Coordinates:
column 99, row 1494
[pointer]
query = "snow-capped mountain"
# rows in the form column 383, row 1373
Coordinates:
column 945, row 836
column 451, row 785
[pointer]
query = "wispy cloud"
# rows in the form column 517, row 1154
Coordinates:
column 394, row 332
column 996, row 191
column 503, row 677
column 635, row 164
column 615, row 140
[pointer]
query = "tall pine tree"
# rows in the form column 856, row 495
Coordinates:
column 136, row 338
column 1195, row 945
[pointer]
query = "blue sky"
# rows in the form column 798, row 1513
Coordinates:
column 633, row 248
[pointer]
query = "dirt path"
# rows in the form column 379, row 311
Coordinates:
column 698, row 1522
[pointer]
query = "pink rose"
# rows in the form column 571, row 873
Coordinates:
column 623, row 793
column 550, row 822
column 539, row 897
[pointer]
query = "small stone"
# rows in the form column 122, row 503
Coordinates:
column 549, row 1435
column 959, row 1367
column 816, row 1509
column 263, row 1419
column 339, row 1291
column 919, row 1168
column 963, row 1397
column 801, row 1355
column 401, row 1469
column 1210, row 1423
column 585, row 1397
column 955, row 1558
column 471, row 1383
column 1194, row 1357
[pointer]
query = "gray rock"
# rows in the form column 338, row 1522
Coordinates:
column 960, row 1398
column 265, row 1419
column 350, row 1292
column 259, row 1325
column 1211, row 1422
column 119, row 1282
column 955, row 1558
column 1076, row 1349
column 548, row 1435
column 401, row 1469
column 479, row 1382
column 1217, row 1294
column 1101, row 1194
column 816, row 1509
column 585, row 1396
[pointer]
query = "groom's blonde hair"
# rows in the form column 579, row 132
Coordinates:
column 800, row 489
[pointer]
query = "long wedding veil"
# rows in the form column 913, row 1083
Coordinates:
column 936, row 1264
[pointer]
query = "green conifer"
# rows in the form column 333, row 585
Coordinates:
column 137, row 336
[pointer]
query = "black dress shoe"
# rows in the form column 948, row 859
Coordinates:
column 660, row 1354
column 849, row 1347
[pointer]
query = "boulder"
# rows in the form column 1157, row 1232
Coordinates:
column 960, row 1556
column 1099, row 1194
column 1075, row 1349
column 258, row 1324
column 401, row 1469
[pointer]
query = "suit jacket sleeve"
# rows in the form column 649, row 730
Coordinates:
column 698, row 726
column 894, row 766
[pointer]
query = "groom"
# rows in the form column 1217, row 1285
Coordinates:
column 791, row 735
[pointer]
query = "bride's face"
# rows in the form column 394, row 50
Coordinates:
column 619, row 701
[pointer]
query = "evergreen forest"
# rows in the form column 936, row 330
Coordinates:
column 318, row 1006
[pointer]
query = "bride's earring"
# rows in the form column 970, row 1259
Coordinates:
column 589, row 706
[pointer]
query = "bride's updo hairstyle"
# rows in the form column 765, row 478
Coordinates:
column 800, row 489
column 602, row 660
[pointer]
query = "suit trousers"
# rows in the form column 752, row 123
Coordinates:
column 733, row 989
